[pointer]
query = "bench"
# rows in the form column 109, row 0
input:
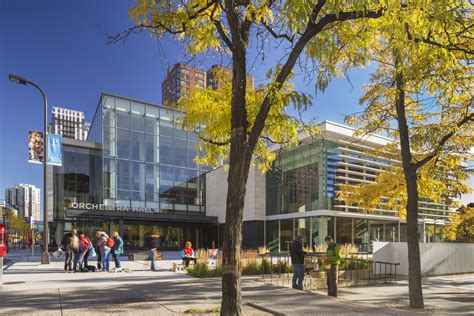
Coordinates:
column 143, row 256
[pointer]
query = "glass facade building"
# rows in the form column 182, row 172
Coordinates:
column 148, row 161
column 301, row 194
column 137, row 175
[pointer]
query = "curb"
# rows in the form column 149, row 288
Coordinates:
column 264, row 309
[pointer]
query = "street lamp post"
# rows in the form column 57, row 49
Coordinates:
column 17, row 79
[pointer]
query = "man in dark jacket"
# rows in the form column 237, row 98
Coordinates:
column 153, row 243
column 297, row 260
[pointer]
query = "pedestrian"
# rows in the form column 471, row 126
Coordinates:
column 297, row 260
column 88, row 252
column 105, row 243
column 79, row 254
column 332, row 259
column 80, row 259
column 117, row 250
column 187, row 254
column 98, row 253
column 153, row 243
column 69, row 243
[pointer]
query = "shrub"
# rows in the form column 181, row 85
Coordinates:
column 252, row 268
column 201, row 270
column 282, row 266
column 348, row 250
column 265, row 266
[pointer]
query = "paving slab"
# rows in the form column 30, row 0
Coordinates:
column 443, row 294
column 32, row 288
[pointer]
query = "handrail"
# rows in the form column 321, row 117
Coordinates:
column 356, row 269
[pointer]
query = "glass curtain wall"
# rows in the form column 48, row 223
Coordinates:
column 293, row 183
column 148, row 159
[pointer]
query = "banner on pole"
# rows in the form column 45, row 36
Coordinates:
column 55, row 152
column 35, row 147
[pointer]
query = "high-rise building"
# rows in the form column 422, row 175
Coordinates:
column 25, row 198
column 226, row 73
column 180, row 81
column 69, row 123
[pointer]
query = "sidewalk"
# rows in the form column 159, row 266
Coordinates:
column 444, row 294
column 35, row 289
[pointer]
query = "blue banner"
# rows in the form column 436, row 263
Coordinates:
column 55, row 150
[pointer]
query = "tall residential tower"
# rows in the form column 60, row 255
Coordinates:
column 25, row 198
column 180, row 81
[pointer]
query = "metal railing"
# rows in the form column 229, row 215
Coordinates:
column 355, row 271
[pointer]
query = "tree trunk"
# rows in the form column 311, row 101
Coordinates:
column 410, row 172
column 239, row 164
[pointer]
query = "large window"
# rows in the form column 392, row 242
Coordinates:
column 286, row 234
column 293, row 182
column 152, row 153
column 344, row 230
column 273, row 235
column 137, row 117
column 138, row 146
column 148, row 159
column 123, row 143
column 166, row 150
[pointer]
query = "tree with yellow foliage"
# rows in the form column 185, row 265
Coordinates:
column 421, row 95
column 237, row 123
column 324, row 31
column 463, row 228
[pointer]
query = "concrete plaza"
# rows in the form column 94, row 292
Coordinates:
column 34, row 289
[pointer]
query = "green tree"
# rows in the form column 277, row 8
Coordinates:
column 421, row 94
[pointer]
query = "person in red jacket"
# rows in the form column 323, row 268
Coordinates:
column 83, row 248
column 187, row 254
column 87, row 243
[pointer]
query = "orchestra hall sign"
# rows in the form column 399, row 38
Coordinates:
column 103, row 207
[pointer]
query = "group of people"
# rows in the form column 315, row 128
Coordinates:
column 79, row 248
column 331, row 263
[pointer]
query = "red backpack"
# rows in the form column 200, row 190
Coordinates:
column 110, row 242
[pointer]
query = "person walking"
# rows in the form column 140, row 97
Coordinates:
column 117, row 250
column 153, row 243
column 297, row 260
column 332, row 259
column 105, row 243
column 69, row 243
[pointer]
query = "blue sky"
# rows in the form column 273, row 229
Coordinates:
column 61, row 45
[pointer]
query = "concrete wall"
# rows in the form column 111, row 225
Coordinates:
column 216, row 194
column 436, row 258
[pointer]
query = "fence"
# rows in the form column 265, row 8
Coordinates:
column 436, row 258
column 352, row 271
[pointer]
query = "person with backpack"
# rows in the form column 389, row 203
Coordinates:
column 105, row 243
column 117, row 250
column 69, row 244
